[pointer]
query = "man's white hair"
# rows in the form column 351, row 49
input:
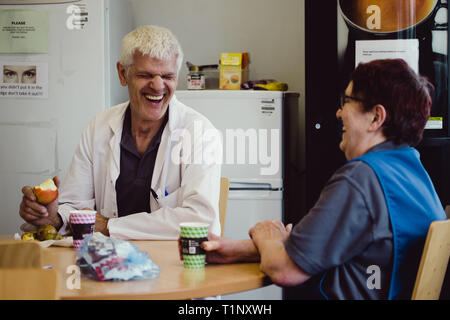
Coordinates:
column 154, row 41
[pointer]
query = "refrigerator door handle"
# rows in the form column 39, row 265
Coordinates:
column 252, row 186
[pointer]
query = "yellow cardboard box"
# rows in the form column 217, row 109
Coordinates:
column 233, row 70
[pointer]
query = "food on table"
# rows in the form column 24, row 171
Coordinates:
column 47, row 232
column 27, row 236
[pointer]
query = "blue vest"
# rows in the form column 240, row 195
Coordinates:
column 412, row 204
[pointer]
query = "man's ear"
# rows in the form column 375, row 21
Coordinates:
column 122, row 74
column 379, row 117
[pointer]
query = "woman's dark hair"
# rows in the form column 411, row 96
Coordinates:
column 406, row 96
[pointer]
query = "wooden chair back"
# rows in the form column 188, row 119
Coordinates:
column 433, row 263
column 223, row 202
column 28, row 284
column 20, row 254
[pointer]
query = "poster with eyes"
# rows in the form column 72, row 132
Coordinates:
column 416, row 31
column 24, row 79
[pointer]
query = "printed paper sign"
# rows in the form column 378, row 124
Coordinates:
column 24, row 80
column 406, row 49
column 23, row 31
column 435, row 123
column 78, row 16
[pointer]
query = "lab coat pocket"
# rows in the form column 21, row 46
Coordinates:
column 171, row 200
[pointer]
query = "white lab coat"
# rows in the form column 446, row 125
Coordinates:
column 188, row 190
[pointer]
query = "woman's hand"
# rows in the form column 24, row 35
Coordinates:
column 270, row 230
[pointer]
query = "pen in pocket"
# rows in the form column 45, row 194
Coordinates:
column 155, row 195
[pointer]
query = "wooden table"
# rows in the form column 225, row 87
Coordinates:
column 173, row 282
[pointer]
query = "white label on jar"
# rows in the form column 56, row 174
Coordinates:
column 196, row 82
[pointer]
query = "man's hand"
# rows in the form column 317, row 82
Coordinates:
column 101, row 224
column 37, row 214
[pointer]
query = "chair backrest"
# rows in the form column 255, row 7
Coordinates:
column 433, row 263
column 28, row 284
column 20, row 254
column 223, row 202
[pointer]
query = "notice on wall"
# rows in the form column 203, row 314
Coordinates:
column 78, row 16
column 24, row 79
column 406, row 49
column 23, row 31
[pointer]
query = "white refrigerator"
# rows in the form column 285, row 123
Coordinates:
column 251, row 126
column 38, row 134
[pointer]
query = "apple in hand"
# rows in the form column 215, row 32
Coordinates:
column 46, row 192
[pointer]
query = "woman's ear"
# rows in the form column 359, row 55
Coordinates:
column 379, row 117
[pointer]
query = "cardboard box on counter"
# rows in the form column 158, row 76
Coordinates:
column 233, row 70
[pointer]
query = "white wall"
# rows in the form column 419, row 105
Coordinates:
column 120, row 21
column 271, row 31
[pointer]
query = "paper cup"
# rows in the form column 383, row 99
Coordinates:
column 192, row 236
column 82, row 223
column 193, row 277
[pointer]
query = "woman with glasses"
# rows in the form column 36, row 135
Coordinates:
column 364, row 237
